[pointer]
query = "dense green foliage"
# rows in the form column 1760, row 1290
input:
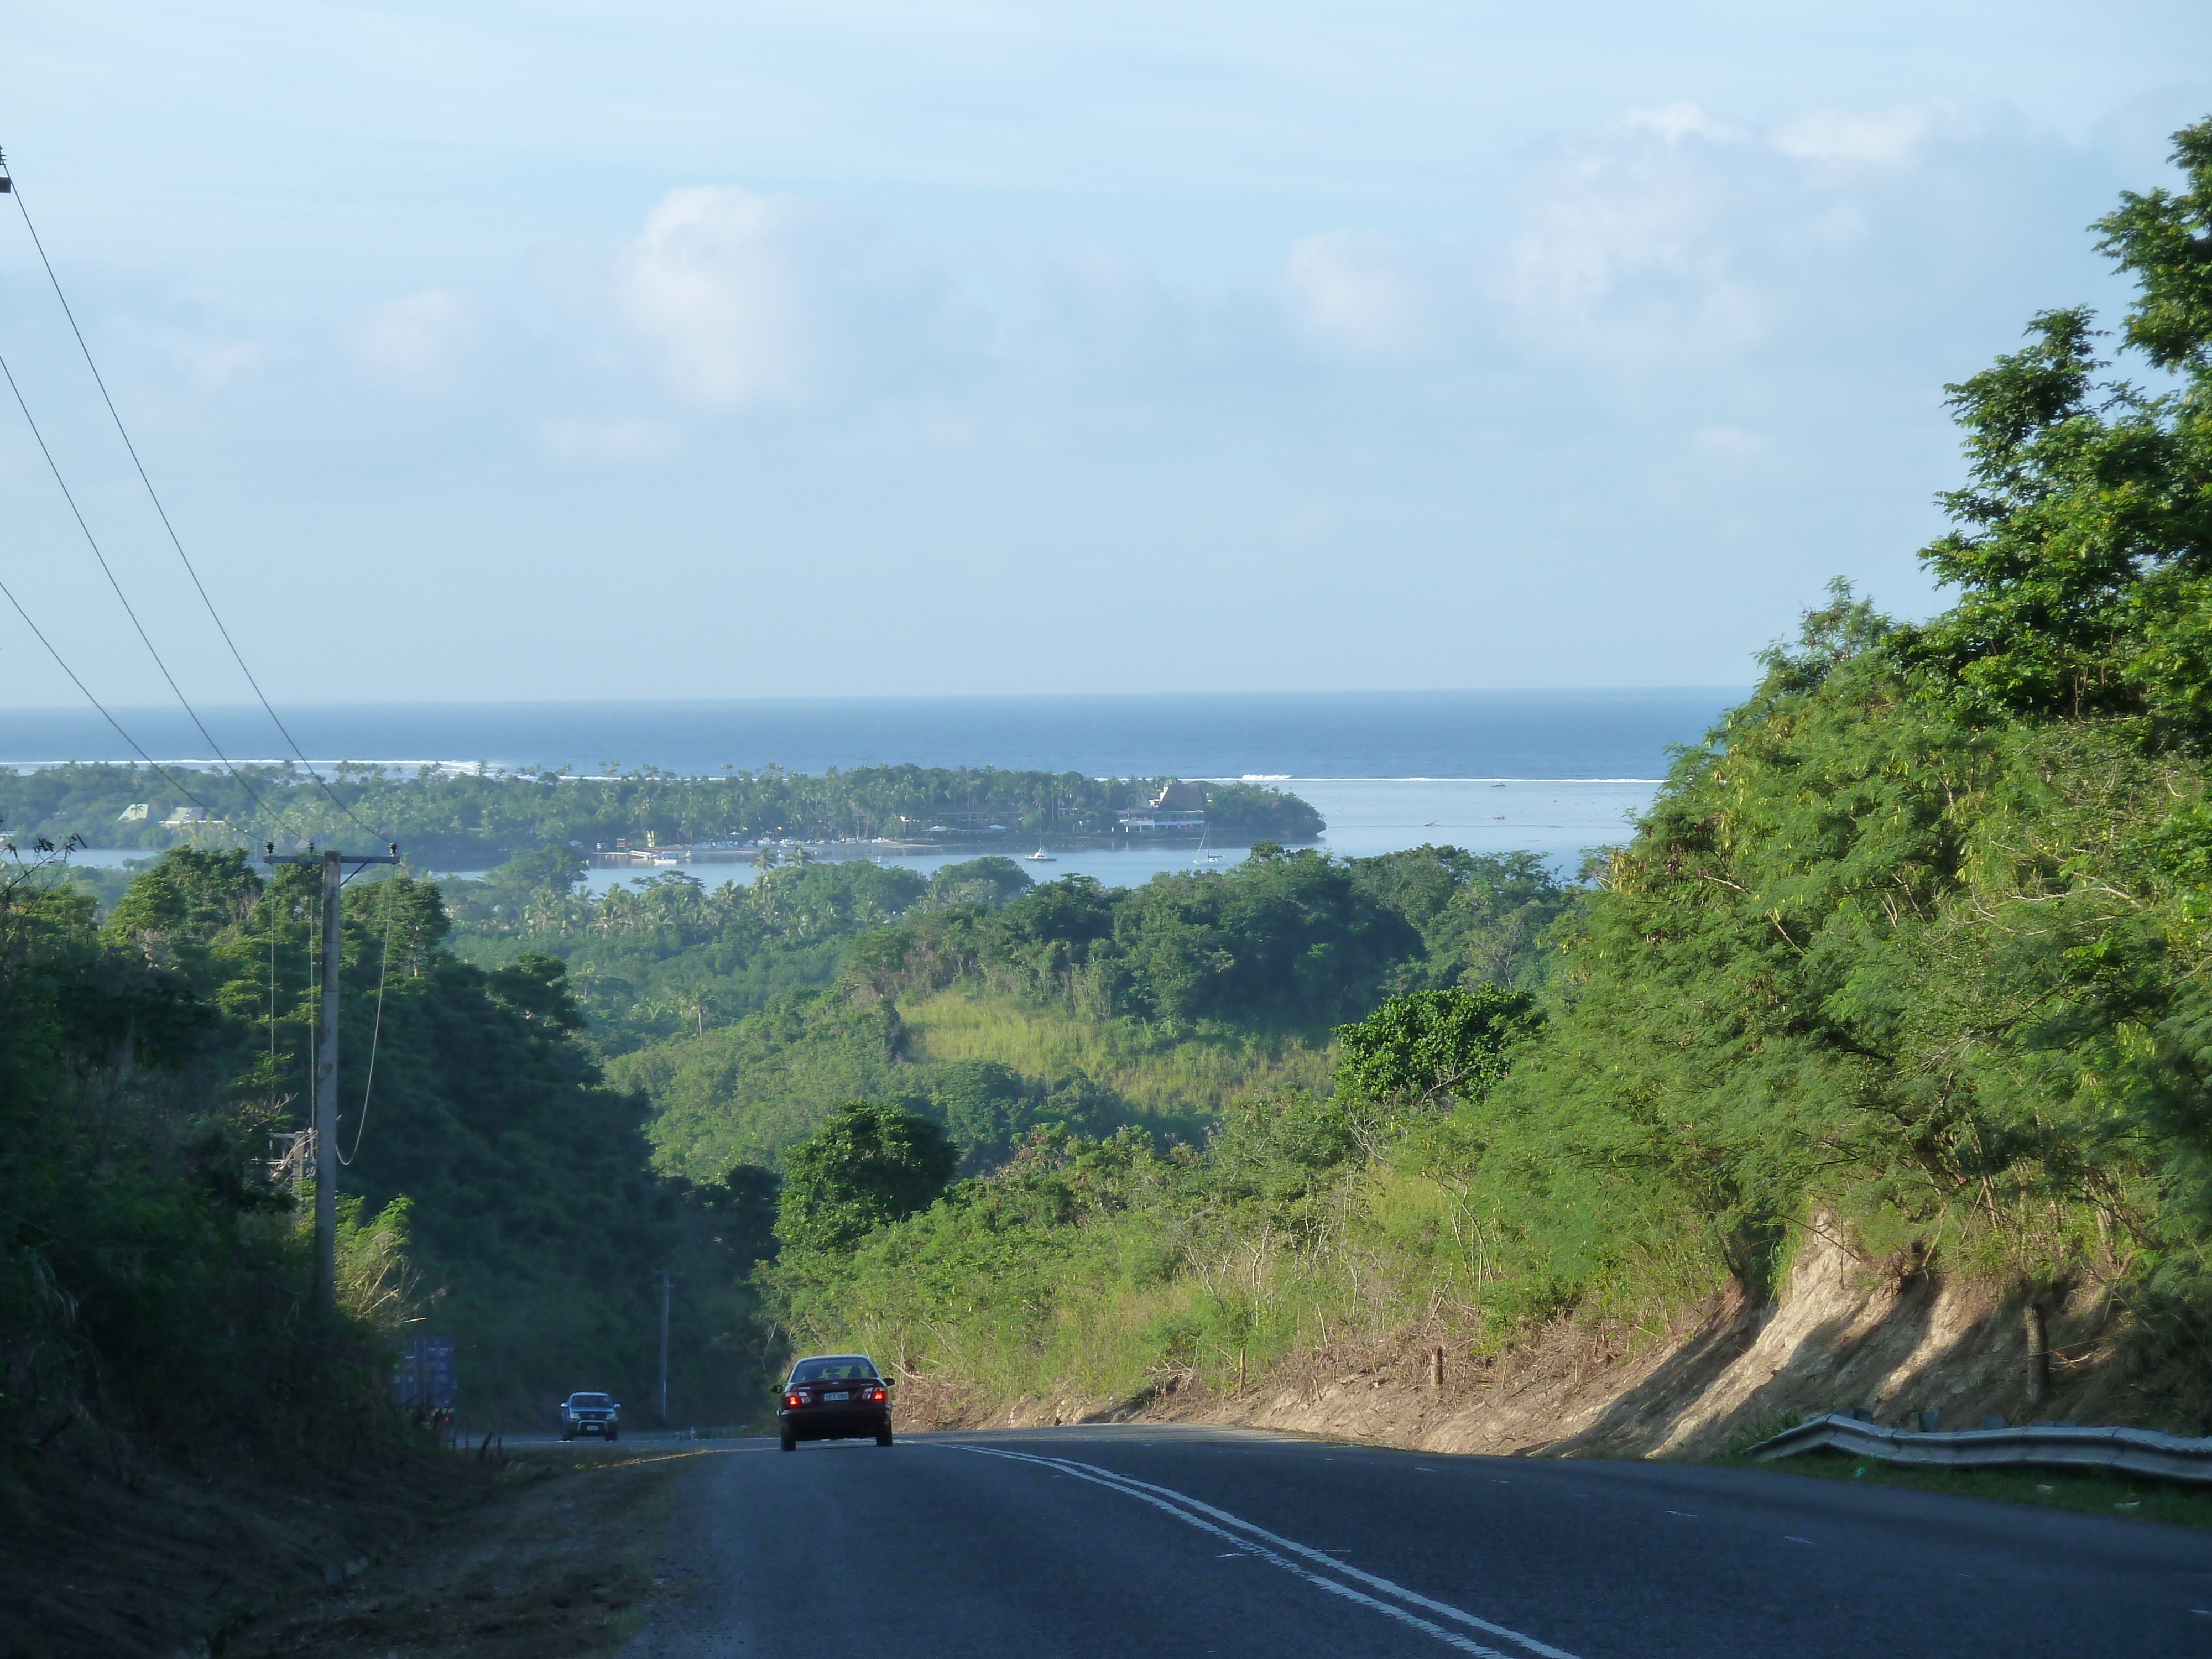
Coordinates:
column 1282, row 938
column 1100, row 1265
column 870, row 1165
column 1432, row 1047
column 502, row 1188
column 472, row 820
column 2083, row 539
column 666, row 954
column 148, row 1283
column 1175, row 995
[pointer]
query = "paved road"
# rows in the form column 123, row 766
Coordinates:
column 1145, row 1540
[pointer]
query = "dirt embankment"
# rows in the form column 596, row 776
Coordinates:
column 1846, row 1333
column 543, row 1555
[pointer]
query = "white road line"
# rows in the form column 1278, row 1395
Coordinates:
column 1542, row 1649
column 1182, row 1505
column 1451, row 1638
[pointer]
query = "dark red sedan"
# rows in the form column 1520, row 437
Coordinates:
column 834, row 1396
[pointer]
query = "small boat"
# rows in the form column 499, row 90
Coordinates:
column 1040, row 857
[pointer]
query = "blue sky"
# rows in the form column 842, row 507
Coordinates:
column 673, row 350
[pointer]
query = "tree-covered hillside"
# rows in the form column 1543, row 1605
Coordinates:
column 1091, row 1007
column 666, row 953
column 156, row 1057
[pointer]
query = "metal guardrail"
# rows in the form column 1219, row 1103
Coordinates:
column 2134, row 1451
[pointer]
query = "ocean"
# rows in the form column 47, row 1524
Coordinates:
column 1551, row 772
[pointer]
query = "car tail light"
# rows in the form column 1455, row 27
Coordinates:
column 877, row 1395
column 794, row 1400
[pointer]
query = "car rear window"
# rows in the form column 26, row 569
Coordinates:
column 833, row 1370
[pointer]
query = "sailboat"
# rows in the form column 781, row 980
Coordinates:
column 1040, row 857
column 1205, row 857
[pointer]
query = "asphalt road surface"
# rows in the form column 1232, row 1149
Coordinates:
column 1140, row 1539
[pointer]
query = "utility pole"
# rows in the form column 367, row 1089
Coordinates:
column 667, row 1286
column 327, row 1061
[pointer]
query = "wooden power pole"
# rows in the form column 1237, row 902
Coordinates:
column 327, row 1061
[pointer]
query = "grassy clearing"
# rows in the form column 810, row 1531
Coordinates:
column 2056, row 1489
column 1162, row 1076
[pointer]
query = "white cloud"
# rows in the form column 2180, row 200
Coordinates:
column 1674, row 121
column 416, row 336
column 1728, row 440
column 218, row 365
column 755, row 299
column 1887, row 138
column 1353, row 288
column 729, row 285
column 630, row 439
column 1630, row 245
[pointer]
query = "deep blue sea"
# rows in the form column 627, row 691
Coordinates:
column 1553, row 772
column 1394, row 734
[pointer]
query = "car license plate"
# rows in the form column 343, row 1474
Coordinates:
column 837, row 1396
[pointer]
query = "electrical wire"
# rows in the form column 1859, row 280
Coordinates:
column 376, row 1030
column 61, row 663
column 123, row 432
column 143, row 637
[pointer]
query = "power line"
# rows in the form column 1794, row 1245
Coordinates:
column 8, row 181
column 63, row 664
column 144, row 638
column 376, row 1031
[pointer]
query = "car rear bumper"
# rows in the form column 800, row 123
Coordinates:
column 834, row 1423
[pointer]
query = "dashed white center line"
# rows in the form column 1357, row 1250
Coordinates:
column 1792, row 1538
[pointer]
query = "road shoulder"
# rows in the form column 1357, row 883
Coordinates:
column 556, row 1565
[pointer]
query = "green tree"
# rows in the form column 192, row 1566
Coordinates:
column 988, row 883
column 871, row 1163
column 1430, row 1048
column 1483, row 917
column 986, row 1106
column 2083, row 555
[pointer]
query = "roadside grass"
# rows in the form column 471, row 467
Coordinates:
column 556, row 1563
column 1161, row 1076
column 2089, row 1493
